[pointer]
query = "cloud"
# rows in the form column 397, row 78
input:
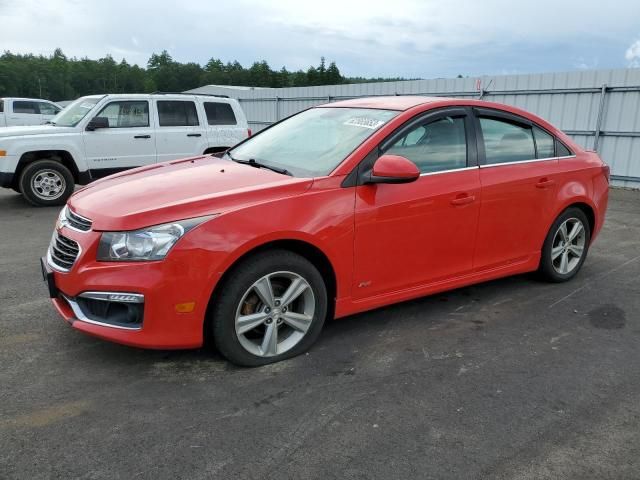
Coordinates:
column 632, row 55
column 411, row 38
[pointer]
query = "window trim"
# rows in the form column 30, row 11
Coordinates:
column 127, row 101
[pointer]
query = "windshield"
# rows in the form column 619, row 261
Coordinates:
column 314, row 142
column 76, row 111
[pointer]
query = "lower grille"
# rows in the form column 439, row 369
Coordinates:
column 63, row 251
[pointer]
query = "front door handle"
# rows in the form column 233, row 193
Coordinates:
column 194, row 134
column 463, row 200
column 142, row 136
column 545, row 183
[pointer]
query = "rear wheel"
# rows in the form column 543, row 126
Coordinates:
column 272, row 307
column 565, row 248
column 46, row 182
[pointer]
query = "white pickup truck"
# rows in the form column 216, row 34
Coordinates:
column 99, row 135
column 26, row 111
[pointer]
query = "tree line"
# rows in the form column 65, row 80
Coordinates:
column 58, row 77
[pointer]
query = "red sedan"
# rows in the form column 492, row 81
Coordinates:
column 336, row 210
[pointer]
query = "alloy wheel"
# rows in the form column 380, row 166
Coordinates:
column 275, row 314
column 568, row 246
column 48, row 185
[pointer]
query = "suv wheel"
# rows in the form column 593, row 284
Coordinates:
column 46, row 183
column 271, row 308
column 565, row 248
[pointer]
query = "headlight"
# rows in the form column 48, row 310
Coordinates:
column 151, row 243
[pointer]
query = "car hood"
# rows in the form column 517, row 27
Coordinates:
column 179, row 189
column 33, row 130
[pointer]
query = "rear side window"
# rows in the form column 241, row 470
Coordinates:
column 506, row 142
column 20, row 106
column 436, row 146
column 177, row 113
column 544, row 143
column 126, row 114
column 1, row 105
column 561, row 150
column 219, row 114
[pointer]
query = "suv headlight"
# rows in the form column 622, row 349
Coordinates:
column 152, row 243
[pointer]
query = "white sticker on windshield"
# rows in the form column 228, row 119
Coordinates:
column 364, row 122
column 88, row 106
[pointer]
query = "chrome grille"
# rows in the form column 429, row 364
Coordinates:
column 78, row 222
column 63, row 251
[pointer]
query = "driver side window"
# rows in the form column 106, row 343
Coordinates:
column 126, row 114
column 435, row 146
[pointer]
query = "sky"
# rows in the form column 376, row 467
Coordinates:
column 399, row 38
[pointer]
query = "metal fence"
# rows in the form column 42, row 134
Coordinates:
column 599, row 109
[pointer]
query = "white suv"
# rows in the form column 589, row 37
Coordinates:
column 99, row 135
column 26, row 111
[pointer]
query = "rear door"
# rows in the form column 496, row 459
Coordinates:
column 518, row 174
column 128, row 142
column 412, row 234
column 181, row 132
column 24, row 112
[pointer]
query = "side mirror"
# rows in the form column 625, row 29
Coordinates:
column 393, row 169
column 98, row 122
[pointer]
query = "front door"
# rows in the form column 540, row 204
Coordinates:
column 128, row 142
column 413, row 234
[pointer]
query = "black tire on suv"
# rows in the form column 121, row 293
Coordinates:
column 46, row 183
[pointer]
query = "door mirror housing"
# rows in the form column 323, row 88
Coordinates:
column 393, row 169
column 98, row 122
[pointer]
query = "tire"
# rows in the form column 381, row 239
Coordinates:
column 46, row 183
column 561, row 260
column 243, row 320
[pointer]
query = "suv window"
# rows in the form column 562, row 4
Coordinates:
column 544, row 143
column 48, row 109
column 1, row 105
column 126, row 114
column 219, row 114
column 436, row 146
column 177, row 113
column 506, row 142
column 20, row 106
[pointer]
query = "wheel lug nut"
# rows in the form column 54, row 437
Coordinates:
column 277, row 303
column 284, row 309
column 269, row 320
column 267, row 310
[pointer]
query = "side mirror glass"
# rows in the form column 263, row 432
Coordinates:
column 393, row 169
column 98, row 122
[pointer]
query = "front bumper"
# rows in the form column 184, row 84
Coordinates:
column 163, row 285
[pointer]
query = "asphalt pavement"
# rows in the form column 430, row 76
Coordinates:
column 511, row 379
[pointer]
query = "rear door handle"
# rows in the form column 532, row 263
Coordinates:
column 463, row 200
column 142, row 136
column 545, row 183
column 194, row 134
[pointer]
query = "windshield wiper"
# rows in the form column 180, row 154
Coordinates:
column 254, row 163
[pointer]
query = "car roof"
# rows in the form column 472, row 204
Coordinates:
column 171, row 96
column 399, row 102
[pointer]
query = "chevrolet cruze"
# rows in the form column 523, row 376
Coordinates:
column 338, row 209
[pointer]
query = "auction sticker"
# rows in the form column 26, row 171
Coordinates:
column 364, row 122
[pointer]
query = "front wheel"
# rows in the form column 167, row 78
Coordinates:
column 565, row 248
column 272, row 307
column 46, row 183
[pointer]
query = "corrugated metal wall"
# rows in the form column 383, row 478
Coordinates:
column 598, row 108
